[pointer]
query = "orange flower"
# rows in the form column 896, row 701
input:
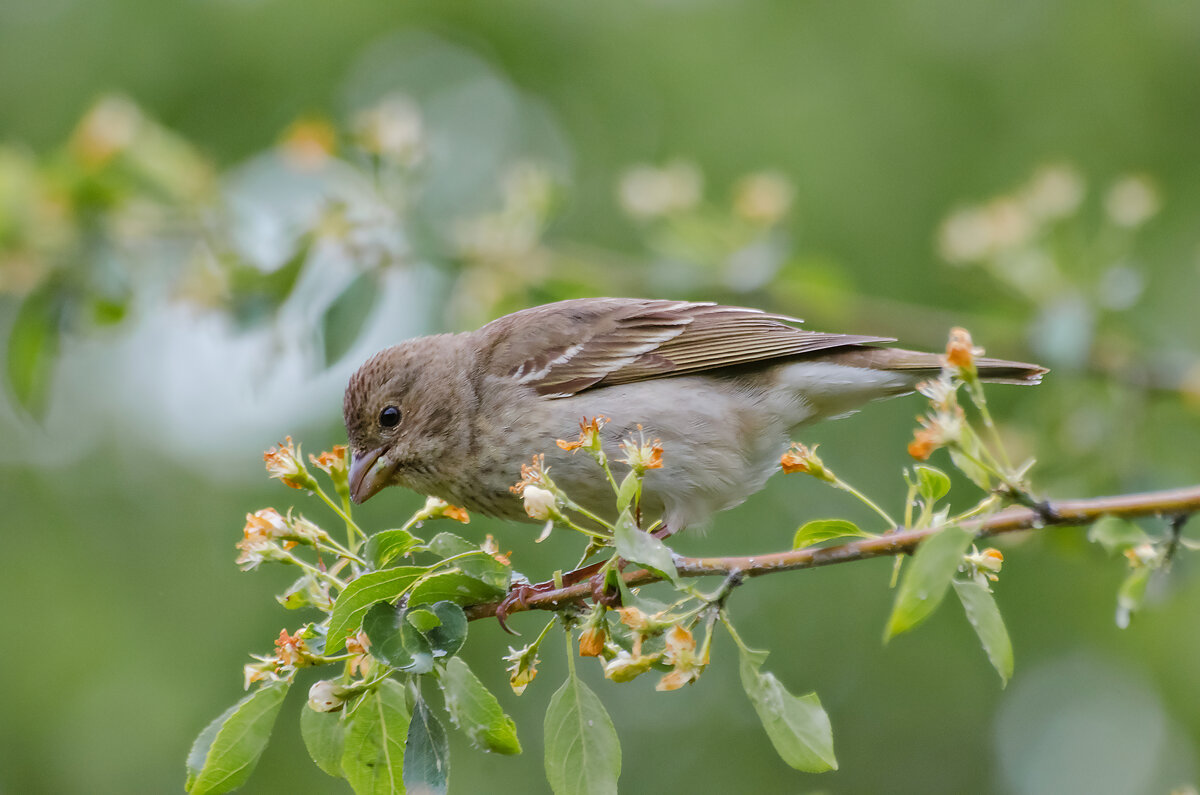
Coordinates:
column 260, row 538
column 436, row 507
column 308, row 143
column 457, row 514
column 681, row 653
column 490, row 546
column 532, row 475
column 591, row 642
column 290, row 650
column 589, row 435
column 923, row 444
column 360, row 662
column 638, row 621
column 283, row 462
column 331, row 462
column 961, row 352
column 641, row 455
column 800, row 459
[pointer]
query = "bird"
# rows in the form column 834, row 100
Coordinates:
column 720, row 388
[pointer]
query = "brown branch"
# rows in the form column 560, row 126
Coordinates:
column 1174, row 502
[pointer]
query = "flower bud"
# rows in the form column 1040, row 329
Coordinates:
column 591, row 642
column 261, row 671
column 1144, row 554
column 522, row 668
column 984, row 566
column 436, row 507
column 326, row 696
column 625, row 667
column 540, row 504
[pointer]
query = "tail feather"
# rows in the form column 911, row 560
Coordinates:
column 995, row 371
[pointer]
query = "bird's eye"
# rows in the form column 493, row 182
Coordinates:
column 389, row 417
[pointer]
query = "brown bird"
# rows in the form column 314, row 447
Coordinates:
column 455, row 415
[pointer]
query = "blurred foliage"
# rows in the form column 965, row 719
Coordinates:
column 190, row 266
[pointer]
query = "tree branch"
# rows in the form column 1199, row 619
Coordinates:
column 1175, row 502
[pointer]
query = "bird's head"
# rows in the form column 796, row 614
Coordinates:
column 404, row 415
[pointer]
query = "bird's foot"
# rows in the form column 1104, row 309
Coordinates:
column 520, row 593
column 604, row 592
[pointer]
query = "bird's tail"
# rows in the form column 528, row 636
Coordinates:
column 919, row 365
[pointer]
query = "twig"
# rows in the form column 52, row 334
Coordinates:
column 1175, row 502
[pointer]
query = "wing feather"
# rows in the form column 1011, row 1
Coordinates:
column 564, row 348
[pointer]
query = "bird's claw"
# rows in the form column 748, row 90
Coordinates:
column 602, row 592
column 518, row 595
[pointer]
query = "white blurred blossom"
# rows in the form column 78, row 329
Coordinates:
column 392, row 129
column 646, row 192
column 1131, row 201
column 975, row 233
column 764, row 197
column 1055, row 191
column 108, row 129
column 1120, row 287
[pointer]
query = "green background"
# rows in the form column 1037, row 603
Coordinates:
column 127, row 622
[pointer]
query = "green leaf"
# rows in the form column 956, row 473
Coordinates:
column 583, row 754
column 226, row 752
column 985, row 617
column 422, row 620
column 325, row 738
column 1131, row 593
column 798, row 727
column 254, row 295
column 353, row 603
column 33, row 343
column 629, row 491
column 426, row 754
column 455, row 586
column 396, row 642
column 376, row 731
column 979, row 475
column 1116, row 534
column 476, row 711
column 479, row 565
column 819, row 530
column 450, row 633
column 344, row 319
column 643, row 549
column 932, row 483
column 927, row 578
column 297, row 594
column 385, row 545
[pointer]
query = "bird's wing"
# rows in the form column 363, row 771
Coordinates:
column 564, row 348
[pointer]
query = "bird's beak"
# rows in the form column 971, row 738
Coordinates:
column 369, row 472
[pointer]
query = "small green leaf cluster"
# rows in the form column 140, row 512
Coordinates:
column 393, row 625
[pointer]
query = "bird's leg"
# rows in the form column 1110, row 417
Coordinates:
column 519, row 594
column 602, row 594
column 598, row 573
